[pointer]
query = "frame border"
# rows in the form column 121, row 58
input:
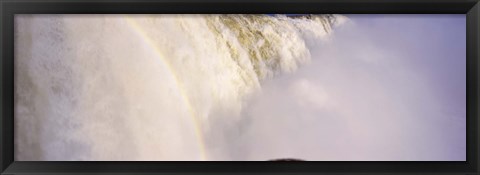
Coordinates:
column 8, row 8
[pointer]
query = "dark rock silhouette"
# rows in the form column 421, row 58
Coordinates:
column 286, row 159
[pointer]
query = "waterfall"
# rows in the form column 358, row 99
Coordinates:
column 146, row 87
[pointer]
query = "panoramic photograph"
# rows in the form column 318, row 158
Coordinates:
column 240, row 87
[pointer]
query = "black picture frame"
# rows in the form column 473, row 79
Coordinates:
column 8, row 8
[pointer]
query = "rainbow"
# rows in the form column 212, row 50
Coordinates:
column 198, row 127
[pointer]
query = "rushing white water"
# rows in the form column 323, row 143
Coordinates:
column 146, row 87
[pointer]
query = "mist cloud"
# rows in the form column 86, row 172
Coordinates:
column 384, row 87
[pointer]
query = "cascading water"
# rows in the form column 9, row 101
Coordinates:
column 146, row 87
